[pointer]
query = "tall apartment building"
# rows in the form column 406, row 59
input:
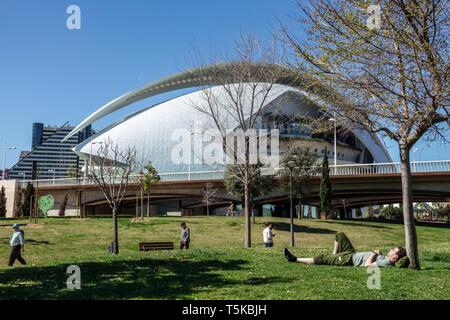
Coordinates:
column 49, row 157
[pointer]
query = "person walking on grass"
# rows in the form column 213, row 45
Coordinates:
column 185, row 236
column 345, row 255
column 17, row 242
column 268, row 235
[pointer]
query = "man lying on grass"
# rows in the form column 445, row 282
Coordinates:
column 345, row 255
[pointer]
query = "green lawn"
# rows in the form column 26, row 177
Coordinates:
column 217, row 266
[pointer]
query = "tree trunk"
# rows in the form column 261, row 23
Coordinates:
column 116, row 233
column 142, row 204
column 251, row 210
column 36, row 204
column 291, row 208
column 248, row 240
column 148, row 204
column 408, row 214
column 137, row 206
column 207, row 209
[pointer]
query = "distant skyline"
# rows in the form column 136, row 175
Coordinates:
column 51, row 74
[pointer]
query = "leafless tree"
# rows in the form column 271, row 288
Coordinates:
column 111, row 173
column 209, row 196
column 382, row 67
column 246, row 80
column 62, row 207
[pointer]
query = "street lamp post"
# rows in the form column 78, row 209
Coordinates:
column 4, row 159
column 414, row 158
column 52, row 170
column 335, row 144
column 141, row 178
column 345, row 210
column 291, row 164
column 335, row 148
column 190, row 159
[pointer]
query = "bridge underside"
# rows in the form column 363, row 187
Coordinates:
column 366, row 197
column 185, row 197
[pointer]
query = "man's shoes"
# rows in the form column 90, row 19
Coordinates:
column 289, row 256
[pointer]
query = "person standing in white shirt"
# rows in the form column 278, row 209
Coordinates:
column 268, row 236
column 17, row 242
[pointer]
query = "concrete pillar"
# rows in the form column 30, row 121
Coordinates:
column 259, row 210
column 153, row 210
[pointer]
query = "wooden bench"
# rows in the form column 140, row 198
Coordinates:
column 149, row 246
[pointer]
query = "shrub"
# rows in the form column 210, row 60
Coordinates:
column 2, row 202
column 392, row 213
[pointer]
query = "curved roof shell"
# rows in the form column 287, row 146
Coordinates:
column 151, row 130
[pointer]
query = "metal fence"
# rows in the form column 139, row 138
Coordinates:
column 346, row 169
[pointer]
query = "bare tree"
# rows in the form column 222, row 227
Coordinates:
column 62, row 207
column 209, row 196
column 35, row 210
column 111, row 173
column 246, row 82
column 382, row 67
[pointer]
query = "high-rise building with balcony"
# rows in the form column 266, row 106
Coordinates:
column 50, row 157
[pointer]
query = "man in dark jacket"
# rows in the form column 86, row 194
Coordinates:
column 185, row 236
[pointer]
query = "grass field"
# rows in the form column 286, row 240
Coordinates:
column 217, row 266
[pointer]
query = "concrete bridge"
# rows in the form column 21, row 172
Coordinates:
column 355, row 185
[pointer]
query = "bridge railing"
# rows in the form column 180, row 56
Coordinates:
column 169, row 176
column 390, row 168
column 346, row 169
column 194, row 175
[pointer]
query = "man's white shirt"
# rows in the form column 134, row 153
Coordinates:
column 17, row 238
column 267, row 235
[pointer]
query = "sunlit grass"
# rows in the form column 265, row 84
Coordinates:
column 217, row 266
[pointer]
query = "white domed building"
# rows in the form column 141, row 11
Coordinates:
column 153, row 131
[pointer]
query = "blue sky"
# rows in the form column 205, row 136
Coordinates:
column 51, row 74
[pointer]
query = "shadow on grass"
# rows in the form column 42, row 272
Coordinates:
column 138, row 279
column 357, row 224
column 35, row 242
column 284, row 226
column 27, row 241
